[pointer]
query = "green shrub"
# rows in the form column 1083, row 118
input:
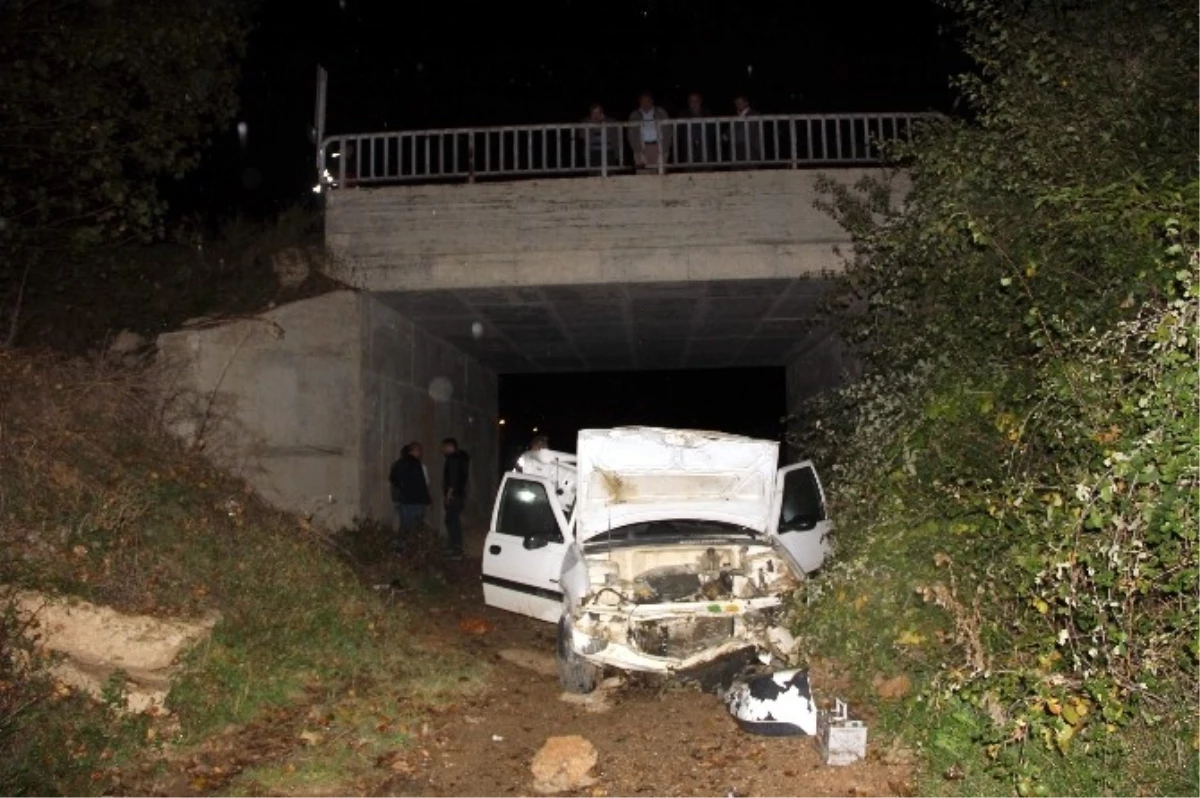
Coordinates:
column 1015, row 480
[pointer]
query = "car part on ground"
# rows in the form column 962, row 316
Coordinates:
column 843, row 740
column 778, row 704
column 782, row 704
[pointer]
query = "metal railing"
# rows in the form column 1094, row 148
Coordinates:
column 783, row 140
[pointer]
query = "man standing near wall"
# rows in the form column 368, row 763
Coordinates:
column 455, row 472
column 410, row 492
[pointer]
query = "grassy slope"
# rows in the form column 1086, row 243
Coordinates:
column 95, row 503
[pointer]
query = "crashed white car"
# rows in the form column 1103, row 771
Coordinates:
column 656, row 550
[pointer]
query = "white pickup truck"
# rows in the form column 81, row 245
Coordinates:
column 655, row 550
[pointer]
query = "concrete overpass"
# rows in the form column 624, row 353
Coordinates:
column 461, row 279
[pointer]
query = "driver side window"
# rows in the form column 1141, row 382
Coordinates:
column 525, row 511
column 802, row 506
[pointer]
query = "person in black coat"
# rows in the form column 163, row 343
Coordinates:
column 455, row 472
column 410, row 490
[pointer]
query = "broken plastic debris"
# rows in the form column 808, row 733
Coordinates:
column 496, row 738
column 777, row 704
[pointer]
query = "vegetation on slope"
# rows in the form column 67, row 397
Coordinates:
column 1015, row 480
column 95, row 502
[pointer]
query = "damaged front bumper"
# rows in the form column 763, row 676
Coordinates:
column 681, row 637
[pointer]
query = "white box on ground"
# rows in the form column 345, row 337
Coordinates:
column 843, row 741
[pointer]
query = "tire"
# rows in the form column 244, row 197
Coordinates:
column 575, row 674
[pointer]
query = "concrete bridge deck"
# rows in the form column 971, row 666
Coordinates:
column 694, row 270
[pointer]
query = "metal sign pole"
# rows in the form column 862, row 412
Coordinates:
column 319, row 121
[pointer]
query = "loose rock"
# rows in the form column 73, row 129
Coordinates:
column 564, row 764
column 96, row 641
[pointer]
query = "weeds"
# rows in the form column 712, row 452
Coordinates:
column 95, row 502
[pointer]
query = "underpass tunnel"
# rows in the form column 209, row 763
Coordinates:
column 729, row 355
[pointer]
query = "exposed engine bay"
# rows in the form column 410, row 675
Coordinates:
column 684, row 603
column 661, row 575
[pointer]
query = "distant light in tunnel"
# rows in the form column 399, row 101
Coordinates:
column 502, row 422
column 535, row 429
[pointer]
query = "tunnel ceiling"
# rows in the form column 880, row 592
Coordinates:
column 632, row 326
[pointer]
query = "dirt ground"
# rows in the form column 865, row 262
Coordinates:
column 654, row 740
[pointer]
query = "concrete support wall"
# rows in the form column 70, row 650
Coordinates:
column 311, row 402
column 275, row 400
column 591, row 230
column 419, row 388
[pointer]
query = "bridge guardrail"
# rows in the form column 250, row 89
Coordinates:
column 514, row 152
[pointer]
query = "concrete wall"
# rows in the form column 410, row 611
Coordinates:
column 275, row 400
column 633, row 228
column 311, row 402
column 418, row 387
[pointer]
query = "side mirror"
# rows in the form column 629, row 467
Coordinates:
column 535, row 541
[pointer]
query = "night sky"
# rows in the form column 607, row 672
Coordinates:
column 404, row 66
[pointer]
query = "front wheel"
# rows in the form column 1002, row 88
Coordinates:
column 575, row 674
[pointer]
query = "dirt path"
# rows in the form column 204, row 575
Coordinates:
column 652, row 741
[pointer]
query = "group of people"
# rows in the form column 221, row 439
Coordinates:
column 411, row 494
column 411, row 490
column 652, row 143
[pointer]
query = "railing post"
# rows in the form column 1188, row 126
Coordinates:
column 471, row 157
column 603, row 150
column 662, row 147
column 792, row 134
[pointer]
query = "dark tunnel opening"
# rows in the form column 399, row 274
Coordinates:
column 742, row 401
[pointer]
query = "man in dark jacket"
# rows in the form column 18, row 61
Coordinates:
column 454, row 494
column 603, row 139
column 410, row 491
column 747, row 135
column 695, row 142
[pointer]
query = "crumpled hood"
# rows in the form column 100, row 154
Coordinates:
column 633, row 475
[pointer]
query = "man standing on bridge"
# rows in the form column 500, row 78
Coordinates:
column 647, row 137
column 455, row 471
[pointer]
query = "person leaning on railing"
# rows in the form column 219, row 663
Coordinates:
column 647, row 136
column 747, row 144
column 695, row 142
column 602, row 133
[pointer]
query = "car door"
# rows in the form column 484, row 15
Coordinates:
column 799, row 521
column 524, row 548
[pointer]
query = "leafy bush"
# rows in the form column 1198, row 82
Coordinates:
column 1016, row 478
